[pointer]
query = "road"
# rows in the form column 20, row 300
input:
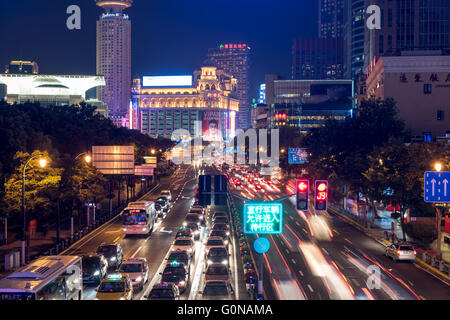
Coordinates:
column 320, row 256
column 156, row 247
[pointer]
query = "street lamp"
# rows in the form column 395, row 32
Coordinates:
column 88, row 160
column 153, row 151
column 438, row 166
column 42, row 163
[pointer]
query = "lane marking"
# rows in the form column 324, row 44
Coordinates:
column 347, row 240
column 301, row 273
column 310, row 288
column 116, row 239
column 293, row 261
column 134, row 254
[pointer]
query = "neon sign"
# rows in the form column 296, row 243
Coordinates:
column 263, row 218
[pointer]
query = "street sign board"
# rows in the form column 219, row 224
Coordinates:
column 263, row 218
column 261, row 245
column 298, row 156
column 151, row 162
column 436, row 187
column 115, row 160
column 143, row 171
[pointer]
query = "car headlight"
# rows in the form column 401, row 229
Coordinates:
column 97, row 273
column 144, row 229
column 113, row 259
column 196, row 232
column 226, row 242
column 225, row 262
column 125, row 229
column 209, row 262
column 184, row 224
column 138, row 279
column 189, row 250
column 182, row 283
column 227, row 233
column 122, row 298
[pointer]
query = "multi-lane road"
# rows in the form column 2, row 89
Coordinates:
column 157, row 246
column 321, row 256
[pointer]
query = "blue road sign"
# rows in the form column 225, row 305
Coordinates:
column 298, row 156
column 436, row 186
column 261, row 245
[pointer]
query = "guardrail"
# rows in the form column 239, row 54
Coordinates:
column 240, row 235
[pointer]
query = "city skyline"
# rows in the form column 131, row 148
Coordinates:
column 59, row 50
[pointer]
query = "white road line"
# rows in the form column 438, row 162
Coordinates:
column 116, row 239
column 310, row 288
column 301, row 273
column 134, row 254
column 325, row 251
column 293, row 261
column 287, row 251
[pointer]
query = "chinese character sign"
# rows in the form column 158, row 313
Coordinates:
column 263, row 218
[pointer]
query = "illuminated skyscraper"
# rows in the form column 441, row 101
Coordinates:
column 114, row 55
column 331, row 18
column 234, row 59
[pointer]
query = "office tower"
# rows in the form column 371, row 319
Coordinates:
column 317, row 59
column 408, row 25
column 234, row 59
column 354, row 29
column 114, row 55
column 331, row 18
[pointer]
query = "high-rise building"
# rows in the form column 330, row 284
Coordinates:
column 234, row 59
column 408, row 25
column 354, row 30
column 22, row 67
column 331, row 18
column 114, row 55
column 317, row 59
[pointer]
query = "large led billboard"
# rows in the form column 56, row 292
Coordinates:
column 211, row 126
column 167, row 81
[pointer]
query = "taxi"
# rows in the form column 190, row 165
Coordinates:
column 137, row 270
column 116, row 286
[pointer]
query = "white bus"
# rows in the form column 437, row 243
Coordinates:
column 139, row 218
column 47, row 278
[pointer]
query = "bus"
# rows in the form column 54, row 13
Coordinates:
column 47, row 278
column 139, row 218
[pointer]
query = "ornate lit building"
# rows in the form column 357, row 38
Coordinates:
column 161, row 107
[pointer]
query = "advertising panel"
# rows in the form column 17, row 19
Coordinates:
column 211, row 126
column 114, row 160
column 167, row 81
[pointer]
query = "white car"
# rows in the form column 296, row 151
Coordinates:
column 184, row 244
column 215, row 242
column 167, row 194
column 401, row 252
column 137, row 270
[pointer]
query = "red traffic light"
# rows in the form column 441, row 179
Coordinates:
column 322, row 187
column 302, row 186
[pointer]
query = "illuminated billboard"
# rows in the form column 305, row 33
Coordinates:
column 211, row 128
column 167, row 81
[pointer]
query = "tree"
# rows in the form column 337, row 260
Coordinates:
column 40, row 184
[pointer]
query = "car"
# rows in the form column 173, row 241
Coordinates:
column 184, row 244
column 201, row 214
column 137, row 270
column 164, row 203
column 184, row 233
column 195, row 229
column 217, row 290
column 222, row 227
column 193, row 218
column 197, row 204
column 180, row 256
column 217, row 255
column 220, row 214
column 160, row 210
column 95, row 268
column 400, row 252
column 219, row 233
column 198, row 210
column 220, row 220
column 215, row 242
column 113, row 253
column 166, row 193
column 176, row 273
column 217, row 271
column 115, row 287
column 164, row 291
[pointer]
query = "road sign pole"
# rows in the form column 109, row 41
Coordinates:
column 438, row 242
column 260, row 281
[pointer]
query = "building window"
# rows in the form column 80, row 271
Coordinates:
column 440, row 115
column 427, row 136
column 427, row 88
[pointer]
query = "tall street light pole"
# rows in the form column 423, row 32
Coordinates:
column 88, row 160
column 42, row 163
column 438, row 168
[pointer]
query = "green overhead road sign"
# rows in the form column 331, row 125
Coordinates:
column 263, row 218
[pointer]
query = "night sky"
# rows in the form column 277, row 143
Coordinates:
column 169, row 37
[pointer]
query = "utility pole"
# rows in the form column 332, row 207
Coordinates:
column 438, row 222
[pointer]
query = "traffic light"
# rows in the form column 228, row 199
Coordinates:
column 204, row 190
column 321, row 195
column 302, row 194
column 220, row 190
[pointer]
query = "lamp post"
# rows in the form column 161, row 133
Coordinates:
column 88, row 160
column 42, row 163
column 438, row 167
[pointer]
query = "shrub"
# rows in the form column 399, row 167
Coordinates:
column 422, row 232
